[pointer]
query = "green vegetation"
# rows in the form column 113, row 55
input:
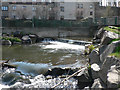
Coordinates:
column 91, row 47
column 88, row 50
column 118, row 28
column 113, row 29
column 116, row 53
column 115, row 40
column 12, row 39
column 89, row 67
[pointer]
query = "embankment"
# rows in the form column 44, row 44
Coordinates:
column 55, row 32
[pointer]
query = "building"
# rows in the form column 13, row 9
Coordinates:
column 84, row 10
column 112, row 3
column 5, row 10
column 75, row 10
column 106, row 12
column 46, row 9
column 21, row 10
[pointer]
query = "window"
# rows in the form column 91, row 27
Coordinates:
column 23, row 7
column 62, row 18
column 33, row 8
column 109, row 3
column 91, row 13
column 62, row 9
column 81, row 5
column 91, row 6
column 33, row 0
column 4, row 8
column 14, row 7
column 114, row 4
column 78, row 5
column 100, row 3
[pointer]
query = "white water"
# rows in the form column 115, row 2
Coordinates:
column 60, row 45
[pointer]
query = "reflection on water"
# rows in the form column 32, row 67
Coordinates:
column 36, row 54
column 31, row 69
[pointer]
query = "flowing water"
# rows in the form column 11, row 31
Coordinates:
column 34, row 60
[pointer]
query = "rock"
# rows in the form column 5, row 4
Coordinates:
column 95, row 68
column 113, row 80
column 97, row 84
column 39, row 39
column 33, row 38
column 26, row 40
column 96, row 41
column 108, row 37
column 6, row 42
column 108, row 50
column 17, row 43
column 59, row 71
column 18, row 34
column 100, row 33
column 94, row 57
column 109, row 61
column 84, row 81
column 102, row 49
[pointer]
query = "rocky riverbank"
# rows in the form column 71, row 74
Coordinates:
column 18, row 38
column 104, row 59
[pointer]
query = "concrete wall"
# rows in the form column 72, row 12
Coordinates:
column 55, row 32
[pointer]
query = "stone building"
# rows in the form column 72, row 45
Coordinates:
column 46, row 9
column 75, row 10
column 5, row 10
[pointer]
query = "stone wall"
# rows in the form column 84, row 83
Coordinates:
column 55, row 32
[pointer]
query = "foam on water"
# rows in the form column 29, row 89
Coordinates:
column 61, row 45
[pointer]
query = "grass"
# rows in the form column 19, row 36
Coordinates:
column 118, row 28
column 113, row 29
column 12, row 39
column 116, row 53
column 115, row 40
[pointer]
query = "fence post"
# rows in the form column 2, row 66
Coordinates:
column 116, row 18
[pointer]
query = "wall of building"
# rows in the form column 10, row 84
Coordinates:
column 48, row 10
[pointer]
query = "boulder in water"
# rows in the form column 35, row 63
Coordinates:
column 26, row 40
column 6, row 42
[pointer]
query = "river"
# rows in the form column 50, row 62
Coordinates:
column 34, row 60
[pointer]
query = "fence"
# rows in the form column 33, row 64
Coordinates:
column 107, row 21
column 45, row 23
column 61, row 23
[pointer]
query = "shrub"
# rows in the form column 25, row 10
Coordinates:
column 91, row 47
column 12, row 39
